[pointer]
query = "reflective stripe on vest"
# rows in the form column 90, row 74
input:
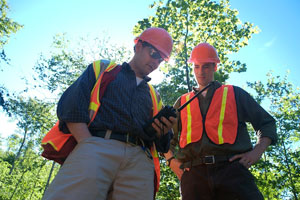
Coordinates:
column 55, row 137
column 156, row 108
column 191, row 120
column 95, row 102
column 221, row 119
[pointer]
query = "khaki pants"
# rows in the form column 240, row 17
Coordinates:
column 104, row 169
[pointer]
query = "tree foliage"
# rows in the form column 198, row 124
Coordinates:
column 68, row 60
column 7, row 27
column 22, row 164
column 280, row 170
column 191, row 22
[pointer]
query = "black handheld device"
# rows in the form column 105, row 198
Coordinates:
column 168, row 111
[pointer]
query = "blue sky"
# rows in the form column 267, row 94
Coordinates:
column 275, row 48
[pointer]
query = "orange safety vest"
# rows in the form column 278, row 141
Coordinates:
column 221, row 121
column 58, row 145
column 157, row 105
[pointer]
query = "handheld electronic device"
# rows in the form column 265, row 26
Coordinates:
column 168, row 111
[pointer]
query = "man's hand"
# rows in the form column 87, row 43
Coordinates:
column 247, row 159
column 174, row 164
column 175, row 167
column 80, row 131
column 251, row 157
column 160, row 128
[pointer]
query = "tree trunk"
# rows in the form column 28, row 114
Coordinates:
column 37, row 176
column 16, row 187
column 19, row 152
column 289, row 170
column 186, row 55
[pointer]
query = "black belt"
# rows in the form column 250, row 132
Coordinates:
column 205, row 160
column 123, row 137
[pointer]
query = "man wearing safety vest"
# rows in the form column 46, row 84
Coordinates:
column 105, row 110
column 215, row 150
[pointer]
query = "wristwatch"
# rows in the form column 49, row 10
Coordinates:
column 168, row 162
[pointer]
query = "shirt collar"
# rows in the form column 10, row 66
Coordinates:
column 215, row 85
column 127, row 67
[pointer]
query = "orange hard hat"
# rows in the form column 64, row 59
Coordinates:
column 158, row 38
column 204, row 52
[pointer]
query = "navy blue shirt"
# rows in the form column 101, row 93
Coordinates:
column 125, row 107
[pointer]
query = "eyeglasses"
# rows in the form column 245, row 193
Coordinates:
column 153, row 52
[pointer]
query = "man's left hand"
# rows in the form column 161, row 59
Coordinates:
column 247, row 159
column 251, row 157
column 163, row 128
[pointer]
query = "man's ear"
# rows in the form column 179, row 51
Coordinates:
column 216, row 67
column 138, row 46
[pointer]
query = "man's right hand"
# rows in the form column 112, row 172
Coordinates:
column 175, row 167
column 80, row 131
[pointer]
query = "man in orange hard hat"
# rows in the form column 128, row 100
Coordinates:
column 215, row 150
column 114, row 156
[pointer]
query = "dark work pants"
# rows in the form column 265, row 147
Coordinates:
column 220, row 181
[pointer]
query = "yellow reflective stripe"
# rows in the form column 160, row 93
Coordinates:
column 93, row 106
column 97, row 69
column 96, row 66
column 154, row 100
column 154, row 153
column 222, row 114
column 159, row 105
column 51, row 143
column 189, row 122
column 152, row 90
column 110, row 66
column 98, row 91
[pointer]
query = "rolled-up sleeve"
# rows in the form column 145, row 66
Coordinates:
column 74, row 102
column 250, row 111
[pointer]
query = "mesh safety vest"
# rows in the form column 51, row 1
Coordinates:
column 220, row 122
column 55, row 141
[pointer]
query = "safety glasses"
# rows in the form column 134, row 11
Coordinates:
column 153, row 52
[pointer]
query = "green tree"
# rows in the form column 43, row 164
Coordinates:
column 22, row 161
column 33, row 117
column 68, row 60
column 279, row 174
column 29, row 177
column 193, row 21
column 7, row 27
